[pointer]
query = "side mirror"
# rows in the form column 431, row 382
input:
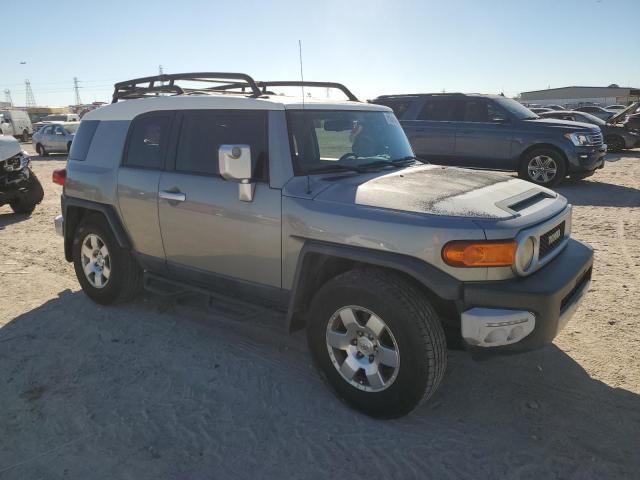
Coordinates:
column 234, row 164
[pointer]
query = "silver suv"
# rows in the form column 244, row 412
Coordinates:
column 320, row 209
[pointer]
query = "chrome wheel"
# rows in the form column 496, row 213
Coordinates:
column 362, row 349
column 96, row 261
column 542, row 168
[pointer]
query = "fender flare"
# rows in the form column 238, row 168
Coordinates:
column 314, row 253
column 109, row 213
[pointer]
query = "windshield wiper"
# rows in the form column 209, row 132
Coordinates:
column 400, row 162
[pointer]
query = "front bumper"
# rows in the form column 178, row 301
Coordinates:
column 551, row 296
column 586, row 159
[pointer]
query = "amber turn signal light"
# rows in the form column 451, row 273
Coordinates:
column 477, row 253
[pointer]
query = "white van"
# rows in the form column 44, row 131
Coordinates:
column 16, row 123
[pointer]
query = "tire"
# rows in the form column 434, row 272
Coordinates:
column 412, row 330
column 27, row 202
column 615, row 143
column 543, row 166
column 41, row 150
column 122, row 281
column 25, row 136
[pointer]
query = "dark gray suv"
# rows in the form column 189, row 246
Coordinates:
column 498, row 133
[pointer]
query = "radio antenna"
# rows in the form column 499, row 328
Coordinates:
column 301, row 73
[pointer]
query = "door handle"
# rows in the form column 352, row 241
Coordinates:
column 173, row 196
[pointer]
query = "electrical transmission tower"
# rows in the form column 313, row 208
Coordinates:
column 7, row 97
column 30, row 100
column 76, row 88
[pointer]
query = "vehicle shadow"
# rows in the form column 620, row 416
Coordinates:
column 9, row 218
column 159, row 389
column 600, row 194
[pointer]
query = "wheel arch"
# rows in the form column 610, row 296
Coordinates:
column 319, row 262
column 539, row 146
column 76, row 210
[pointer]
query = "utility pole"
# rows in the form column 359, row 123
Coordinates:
column 160, row 72
column 76, row 88
column 7, row 97
column 30, row 100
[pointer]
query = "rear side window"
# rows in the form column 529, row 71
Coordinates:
column 438, row 109
column 82, row 139
column 148, row 140
column 202, row 132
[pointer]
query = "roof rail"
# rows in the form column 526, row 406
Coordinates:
column 297, row 83
column 135, row 88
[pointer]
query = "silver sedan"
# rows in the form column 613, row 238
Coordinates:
column 55, row 137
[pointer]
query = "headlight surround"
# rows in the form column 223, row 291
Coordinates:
column 578, row 139
column 17, row 162
column 524, row 254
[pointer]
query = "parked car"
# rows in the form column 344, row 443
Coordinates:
column 615, row 108
column 597, row 111
column 555, row 107
column 61, row 117
column 55, row 138
column 319, row 208
column 19, row 186
column 539, row 110
column 498, row 133
column 629, row 118
column 616, row 137
column 15, row 123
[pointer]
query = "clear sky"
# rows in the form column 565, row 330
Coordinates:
column 374, row 47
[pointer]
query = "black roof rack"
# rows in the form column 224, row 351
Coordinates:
column 156, row 84
column 285, row 83
column 264, row 86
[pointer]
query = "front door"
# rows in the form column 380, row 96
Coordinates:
column 207, row 230
column 483, row 137
column 58, row 141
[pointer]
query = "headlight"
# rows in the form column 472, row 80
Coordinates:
column 578, row 139
column 17, row 162
column 524, row 254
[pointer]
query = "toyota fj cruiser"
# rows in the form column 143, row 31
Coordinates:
column 318, row 208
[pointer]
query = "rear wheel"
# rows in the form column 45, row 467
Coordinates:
column 32, row 196
column 543, row 166
column 614, row 143
column 25, row 136
column 378, row 341
column 41, row 150
column 107, row 272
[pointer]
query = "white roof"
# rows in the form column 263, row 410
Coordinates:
column 129, row 109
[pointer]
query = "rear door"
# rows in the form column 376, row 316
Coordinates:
column 138, row 178
column 433, row 131
column 58, row 141
column 208, row 232
column 484, row 134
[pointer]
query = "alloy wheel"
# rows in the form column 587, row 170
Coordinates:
column 542, row 168
column 96, row 261
column 362, row 349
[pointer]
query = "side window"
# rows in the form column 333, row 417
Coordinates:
column 148, row 140
column 495, row 113
column 398, row 106
column 475, row 110
column 439, row 109
column 46, row 130
column 58, row 130
column 202, row 133
column 82, row 140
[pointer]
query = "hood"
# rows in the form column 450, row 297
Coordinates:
column 436, row 190
column 620, row 117
column 563, row 125
column 9, row 147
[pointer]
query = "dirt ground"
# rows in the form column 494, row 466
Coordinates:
column 167, row 389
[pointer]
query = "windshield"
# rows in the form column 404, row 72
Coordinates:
column 516, row 108
column 348, row 139
column 54, row 118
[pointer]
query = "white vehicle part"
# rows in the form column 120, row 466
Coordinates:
column 492, row 327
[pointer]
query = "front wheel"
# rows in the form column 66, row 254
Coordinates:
column 543, row 166
column 378, row 341
column 32, row 196
column 107, row 272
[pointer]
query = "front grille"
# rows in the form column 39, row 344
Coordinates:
column 550, row 240
column 595, row 139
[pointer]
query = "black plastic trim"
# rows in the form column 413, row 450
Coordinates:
column 440, row 283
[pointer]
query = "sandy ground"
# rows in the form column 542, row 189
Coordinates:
column 166, row 389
